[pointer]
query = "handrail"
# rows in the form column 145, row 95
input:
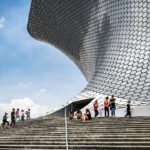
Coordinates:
column 66, row 129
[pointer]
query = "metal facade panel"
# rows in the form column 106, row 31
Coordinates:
column 109, row 40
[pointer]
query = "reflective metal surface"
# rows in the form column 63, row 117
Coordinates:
column 109, row 40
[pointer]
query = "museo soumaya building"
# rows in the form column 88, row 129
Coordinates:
column 109, row 41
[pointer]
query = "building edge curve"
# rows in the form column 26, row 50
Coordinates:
column 108, row 40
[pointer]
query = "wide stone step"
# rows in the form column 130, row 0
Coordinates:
column 109, row 132
column 126, row 130
column 73, row 124
column 34, row 146
column 120, row 143
column 26, row 149
column 84, row 127
column 80, row 136
column 73, row 139
column 110, row 124
column 90, row 134
column 77, row 127
column 91, row 147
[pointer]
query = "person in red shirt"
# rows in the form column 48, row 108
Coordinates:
column 106, row 107
column 17, row 114
column 95, row 105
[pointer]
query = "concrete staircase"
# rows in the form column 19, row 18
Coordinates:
column 99, row 133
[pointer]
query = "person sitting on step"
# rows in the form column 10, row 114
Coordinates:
column 70, row 114
column 79, row 114
column 87, row 115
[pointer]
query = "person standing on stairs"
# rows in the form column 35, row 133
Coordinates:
column 28, row 114
column 95, row 105
column 13, row 118
column 17, row 114
column 106, row 107
column 5, row 120
column 128, row 109
column 22, row 115
column 113, row 105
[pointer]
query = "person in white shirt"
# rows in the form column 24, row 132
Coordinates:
column 22, row 115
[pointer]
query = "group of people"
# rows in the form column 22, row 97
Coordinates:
column 86, row 116
column 109, row 105
column 14, row 116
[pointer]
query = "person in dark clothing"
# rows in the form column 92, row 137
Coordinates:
column 79, row 114
column 113, row 106
column 87, row 115
column 71, row 114
column 128, row 109
column 13, row 119
column 5, row 120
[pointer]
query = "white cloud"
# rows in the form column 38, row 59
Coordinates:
column 43, row 90
column 1, row 22
column 1, row 26
column 25, row 103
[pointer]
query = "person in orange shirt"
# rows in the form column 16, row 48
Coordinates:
column 106, row 107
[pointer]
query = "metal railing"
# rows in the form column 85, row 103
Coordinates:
column 66, row 129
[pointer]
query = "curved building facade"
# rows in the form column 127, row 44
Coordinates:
column 109, row 40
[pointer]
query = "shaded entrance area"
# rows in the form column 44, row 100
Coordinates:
column 74, row 106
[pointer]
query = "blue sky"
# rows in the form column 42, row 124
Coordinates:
column 30, row 68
